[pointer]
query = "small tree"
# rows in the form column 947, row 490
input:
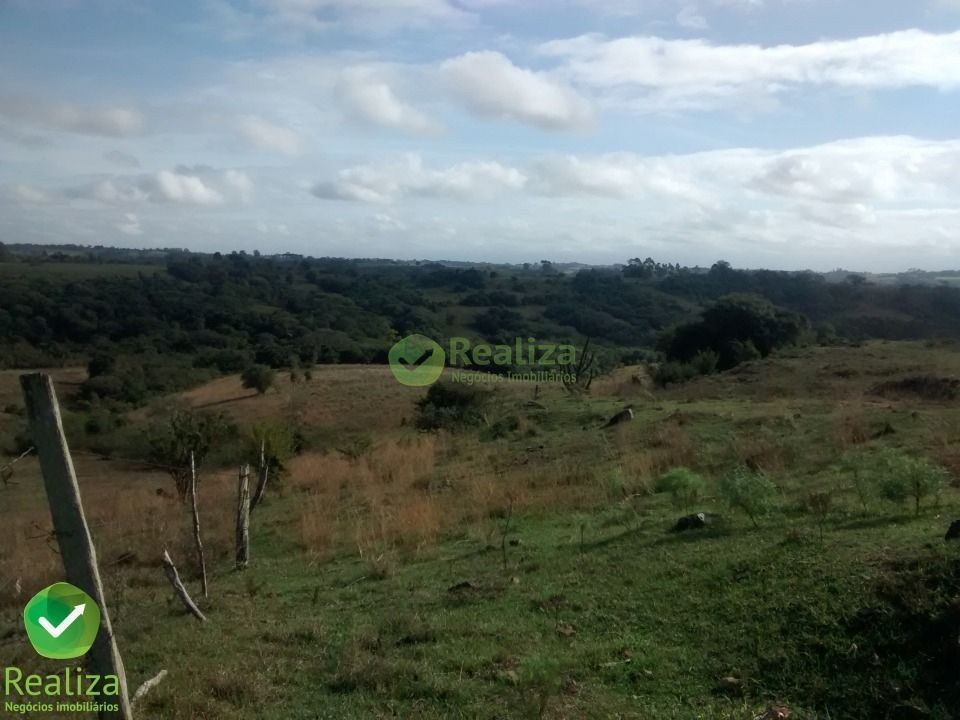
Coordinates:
column 750, row 492
column 184, row 433
column 857, row 464
column 684, row 485
column 276, row 441
column 904, row 477
column 258, row 377
column 818, row 505
column 580, row 374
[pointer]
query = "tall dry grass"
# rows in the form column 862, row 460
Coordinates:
column 849, row 427
column 132, row 517
column 379, row 502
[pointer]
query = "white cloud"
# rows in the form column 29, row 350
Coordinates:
column 130, row 225
column 864, row 171
column 270, row 136
column 368, row 97
column 489, row 84
column 198, row 185
column 180, row 188
column 849, row 183
column 106, row 120
column 29, row 195
column 110, row 192
column 476, row 180
column 697, row 74
column 240, row 183
column 619, row 175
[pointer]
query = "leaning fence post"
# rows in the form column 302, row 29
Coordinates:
column 174, row 577
column 70, row 526
column 243, row 518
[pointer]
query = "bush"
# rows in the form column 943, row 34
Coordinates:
column 904, row 477
column 258, row 377
column 705, row 362
column 673, row 372
column 750, row 492
column 684, row 485
column 452, row 405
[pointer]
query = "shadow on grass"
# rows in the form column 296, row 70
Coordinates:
column 227, row 401
column 871, row 523
column 692, row 536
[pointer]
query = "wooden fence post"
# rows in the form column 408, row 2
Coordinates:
column 70, row 526
column 243, row 518
column 198, row 542
column 262, row 474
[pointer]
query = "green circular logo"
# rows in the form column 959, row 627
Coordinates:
column 417, row 361
column 62, row 621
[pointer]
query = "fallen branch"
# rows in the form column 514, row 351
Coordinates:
column 174, row 577
column 148, row 686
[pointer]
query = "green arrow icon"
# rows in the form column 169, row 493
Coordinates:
column 62, row 621
column 417, row 361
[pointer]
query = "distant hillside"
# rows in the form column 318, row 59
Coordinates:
column 162, row 320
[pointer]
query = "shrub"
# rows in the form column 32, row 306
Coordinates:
column 258, row 377
column 750, row 492
column 705, row 362
column 904, row 477
column 684, row 485
column 452, row 405
column 673, row 372
column 856, row 463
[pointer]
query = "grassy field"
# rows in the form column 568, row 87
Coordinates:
column 528, row 572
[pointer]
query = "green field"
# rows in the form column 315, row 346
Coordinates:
column 531, row 574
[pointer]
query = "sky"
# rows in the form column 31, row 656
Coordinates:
column 785, row 134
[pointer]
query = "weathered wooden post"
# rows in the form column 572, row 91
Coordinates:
column 263, row 471
column 174, row 577
column 70, row 525
column 243, row 518
column 198, row 542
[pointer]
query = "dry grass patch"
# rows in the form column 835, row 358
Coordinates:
column 131, row 517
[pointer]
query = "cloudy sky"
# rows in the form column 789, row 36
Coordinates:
column 775, row 133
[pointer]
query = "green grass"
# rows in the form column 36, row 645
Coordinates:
column 598, row 612
column 641, row 623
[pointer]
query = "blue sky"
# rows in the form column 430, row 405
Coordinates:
column 776, row 133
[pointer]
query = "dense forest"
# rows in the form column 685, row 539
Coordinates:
column 149, row 322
